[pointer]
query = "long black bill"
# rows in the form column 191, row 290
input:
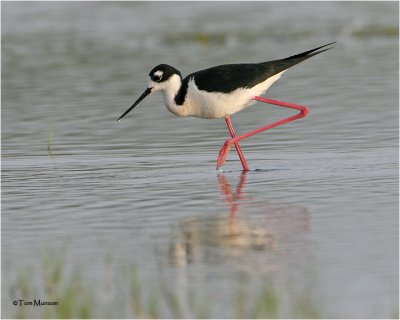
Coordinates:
column 144, row 95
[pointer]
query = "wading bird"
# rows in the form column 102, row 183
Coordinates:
column 219, row 92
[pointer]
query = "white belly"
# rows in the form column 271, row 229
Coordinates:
column 213, row 105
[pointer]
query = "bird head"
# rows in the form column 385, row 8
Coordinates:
column 161, row 78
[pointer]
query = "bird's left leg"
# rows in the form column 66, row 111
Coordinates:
column 227, row 145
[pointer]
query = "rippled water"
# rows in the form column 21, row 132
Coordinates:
column 318, row 212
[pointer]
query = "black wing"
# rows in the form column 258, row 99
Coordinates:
column 229, row 77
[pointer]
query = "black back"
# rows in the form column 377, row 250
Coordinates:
column 229, row 77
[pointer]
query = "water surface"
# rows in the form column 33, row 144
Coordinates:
column 316, row 217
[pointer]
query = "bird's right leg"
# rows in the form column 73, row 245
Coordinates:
column 226, row 148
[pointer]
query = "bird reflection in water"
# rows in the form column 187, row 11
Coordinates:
column 252, row 230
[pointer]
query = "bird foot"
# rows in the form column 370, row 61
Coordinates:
column 223, row 154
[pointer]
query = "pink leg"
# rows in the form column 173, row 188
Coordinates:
column 227, row 145
column 237, row 146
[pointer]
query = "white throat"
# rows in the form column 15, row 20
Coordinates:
column 170, row 89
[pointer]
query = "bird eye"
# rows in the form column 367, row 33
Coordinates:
column 157, row 76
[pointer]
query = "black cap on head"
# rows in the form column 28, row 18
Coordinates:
column 163, row 72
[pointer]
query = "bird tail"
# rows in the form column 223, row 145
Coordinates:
column 308, row 54
column 281, row 65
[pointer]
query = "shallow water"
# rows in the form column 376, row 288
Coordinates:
column 318, row 213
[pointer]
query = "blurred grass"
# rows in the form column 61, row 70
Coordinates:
column 223, row 38
column 79, row 299
column 376, row 31
column 49, row 139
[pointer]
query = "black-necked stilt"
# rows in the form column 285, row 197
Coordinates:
column 223, row 90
